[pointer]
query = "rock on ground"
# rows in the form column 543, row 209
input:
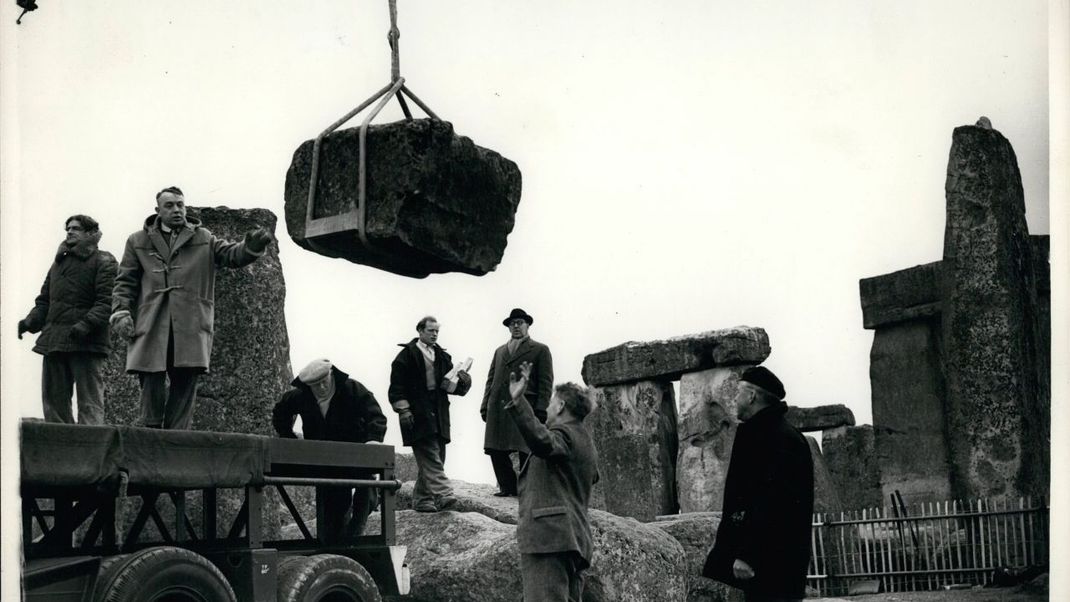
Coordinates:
column 436, row 202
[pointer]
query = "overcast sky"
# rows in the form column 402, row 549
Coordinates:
column 687, row 165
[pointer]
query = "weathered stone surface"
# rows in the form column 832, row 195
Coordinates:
column 707, row 428
column 851, row 459
column 908, row 294
column 669, row 359
column 250, row 364
column 696, row 532
column 826, row 494
column 990, row 324
column 404, row 467
column 820, row 418
column 457, row 556
column 908, row 411
column 436, row 202
column 701, row 589
column 634, row 430
column 472, row 497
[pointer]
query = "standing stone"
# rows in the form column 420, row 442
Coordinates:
column 436, row 202
column 670, row 359
column 696, row 532
column 851, row 460
column 707, row 428
column 826, row 493
column 990, row 323
column 634, row 430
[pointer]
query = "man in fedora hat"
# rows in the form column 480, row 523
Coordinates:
column 763, row 541
column 502, row 437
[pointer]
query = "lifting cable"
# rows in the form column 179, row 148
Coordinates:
column 397, row 89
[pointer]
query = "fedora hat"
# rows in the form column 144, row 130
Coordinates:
column 518, row 313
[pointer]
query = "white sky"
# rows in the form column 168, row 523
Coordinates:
column 687, row 165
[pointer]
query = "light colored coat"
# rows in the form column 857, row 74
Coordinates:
column 172, row 290
column 501, row 433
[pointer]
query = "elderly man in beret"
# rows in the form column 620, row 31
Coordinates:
column 501, row 437
column 334, row 407
column 763, row 541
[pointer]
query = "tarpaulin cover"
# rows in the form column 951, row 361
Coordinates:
column 63, row 454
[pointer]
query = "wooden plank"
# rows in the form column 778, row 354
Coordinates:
column 329, row 454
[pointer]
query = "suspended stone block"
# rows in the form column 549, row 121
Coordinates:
column 820, row 418
column 707, row 428
column 669, row 359
column 436, row 202
column 634, row 431
column 990, row 323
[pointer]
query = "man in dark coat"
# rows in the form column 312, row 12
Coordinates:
column 553, row 532
column 763, row 541
column 419, row 390
column 164, row 302
column 334, row 407
column 502, row 437
column 71, row 313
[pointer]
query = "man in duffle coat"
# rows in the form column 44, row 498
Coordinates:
column 334, row 407
column 419, row 393
column 71, row 313
column 763, row 540
column 164, row 302
column 501, row 437
column 553, row 531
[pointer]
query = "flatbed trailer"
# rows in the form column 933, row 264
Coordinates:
column 79, row 544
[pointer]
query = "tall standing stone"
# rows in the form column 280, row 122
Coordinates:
column 250, row 363
column 851, row 460
column 634, row 430
column 990, row 323
column 707, row 429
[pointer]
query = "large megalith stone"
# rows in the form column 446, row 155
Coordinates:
column 670, row 359
column 634, row 431
column 990, row 324
column 436, row 202
column 696, row 532
column 250, row 363
column 851, row 459
column 819, row 418
column 455, row 556
column 706, row 427
column 826, row 493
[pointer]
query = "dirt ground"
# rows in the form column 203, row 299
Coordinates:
column 994, row 594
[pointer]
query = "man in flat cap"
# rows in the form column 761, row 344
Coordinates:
column 334, row 407
column 763, row 541
column 502, row 438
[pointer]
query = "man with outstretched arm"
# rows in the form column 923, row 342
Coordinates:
column 553, row 532
column 164, row 303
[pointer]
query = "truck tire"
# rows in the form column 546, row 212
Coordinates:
column 162, row 573
column 325, row 578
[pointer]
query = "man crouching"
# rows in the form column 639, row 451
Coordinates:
column 554, row 534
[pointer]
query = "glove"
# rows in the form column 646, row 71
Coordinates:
column 257, row 240
column 23, row 328
column 125, row 326
column 79, row 331
column 406, row 419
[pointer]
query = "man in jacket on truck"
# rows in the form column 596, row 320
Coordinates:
column 502, row 438
column 334, row 407
column 763, row 540
column 71, row 313
column 419, row 393
column 553, row 532
column 164, row 302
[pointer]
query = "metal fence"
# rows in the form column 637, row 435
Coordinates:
column 933, row 545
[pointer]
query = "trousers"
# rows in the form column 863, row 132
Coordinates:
column 502, row 462
column 169, row 407
column 551, row 577
column 64, row 373
column 431, row 482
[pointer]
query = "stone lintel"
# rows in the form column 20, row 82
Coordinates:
column 903, row 295
column 820, row 418
column 669, row 359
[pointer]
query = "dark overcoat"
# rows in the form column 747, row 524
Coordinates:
column 555, row 486
column 430, row 408
column 77, row 289
column 353, row 415
column 768, row 506
column 501, row 432
column 165, row 289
